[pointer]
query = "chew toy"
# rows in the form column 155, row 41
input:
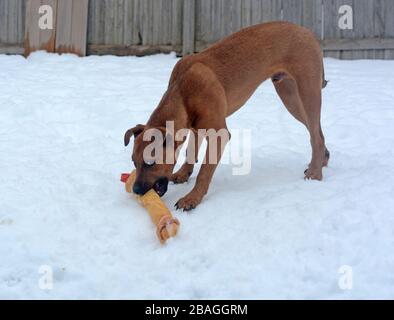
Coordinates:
column 166, row 225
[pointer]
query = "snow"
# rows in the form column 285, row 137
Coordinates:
column 268, row 234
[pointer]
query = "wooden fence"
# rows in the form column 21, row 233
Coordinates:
column 185, row 26
column 63, row 29
column 12, row 25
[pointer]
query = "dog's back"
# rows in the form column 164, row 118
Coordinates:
column 265, row 49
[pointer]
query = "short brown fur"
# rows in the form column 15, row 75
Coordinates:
column 207, row 87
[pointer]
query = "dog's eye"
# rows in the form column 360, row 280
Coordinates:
column 149, row 163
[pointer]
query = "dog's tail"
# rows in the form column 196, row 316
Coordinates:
column 324, row 81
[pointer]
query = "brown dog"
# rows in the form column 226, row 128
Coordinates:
column 207, row 87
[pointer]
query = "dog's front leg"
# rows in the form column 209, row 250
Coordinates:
column 186, row 170
column 217, row 140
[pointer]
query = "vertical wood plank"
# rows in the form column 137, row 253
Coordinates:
column 48, row 36
column 236, row 11
column 378, row 18
column 225, row 18
column 108, row 22
column 201, row 19
column 101, row 21
column 176, row 27
column 126, row 27
column 71, row 27
column 119, row 7
column 156, row 20
column 277, row 9
column 266, row 11
column 35, row 38
column 136, row 25
column 246, row 19
column 233, row 20
column 220, row 32
column 256, row 11
column 3, row 22
column 79, row 27
column 91, row 20
column 346, row 34
column 363, row 11
column 363, row 26
column 312, row 16
column 389, row 19
column 96, row 15
column 331, row 18
column 167, row 22
column 292, row 11
column 32, row 33
column 389, row 26
column 215, row 18
column 11, row 21
column 143, row 17
column 20, row 18
column 188, row 27
column 63, row 25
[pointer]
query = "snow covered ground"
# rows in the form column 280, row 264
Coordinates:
column 269, row 234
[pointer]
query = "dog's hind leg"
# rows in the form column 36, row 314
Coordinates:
column 288, row 93
column 310, row 94
column 303, row 101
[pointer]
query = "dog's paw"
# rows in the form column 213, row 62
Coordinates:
column 188, row 202
column 180, row 177
column 313, row 174
column 326, row 158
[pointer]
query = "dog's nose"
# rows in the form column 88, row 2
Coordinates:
column 139, row 189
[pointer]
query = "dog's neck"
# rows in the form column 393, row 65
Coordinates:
column 170, row 108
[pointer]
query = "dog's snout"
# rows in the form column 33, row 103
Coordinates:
column 140, row 188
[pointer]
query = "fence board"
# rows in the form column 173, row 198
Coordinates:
column 136, row 22
column 292, row 11
column 71, row 27
column 3, row 21
column 177, row 18
column 79, row 27
column 32, row 35
column 246, row 13
column 11, row 23
column 63, row 32
column 389, row 25
column 157, row 27
column 256, row 11
column 312, row 11
column 266, row 11
column 36, row 38
column 189, row 7
column 276, row 10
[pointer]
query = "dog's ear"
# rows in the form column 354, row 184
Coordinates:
column 133, row 132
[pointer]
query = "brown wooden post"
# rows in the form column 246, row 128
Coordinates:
column 37, row 38
column 69, row 28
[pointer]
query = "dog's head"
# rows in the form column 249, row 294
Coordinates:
column 153, row 167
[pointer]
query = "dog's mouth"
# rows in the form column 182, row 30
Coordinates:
column 161, row 186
